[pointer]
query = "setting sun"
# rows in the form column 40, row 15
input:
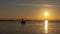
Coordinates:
column 46, row 13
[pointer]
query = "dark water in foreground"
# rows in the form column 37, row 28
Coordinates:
column 14, row 27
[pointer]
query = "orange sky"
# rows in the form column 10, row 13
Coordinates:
column 29, row 9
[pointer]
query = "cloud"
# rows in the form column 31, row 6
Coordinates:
column 43, row 5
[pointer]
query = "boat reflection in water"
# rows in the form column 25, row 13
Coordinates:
column 46, row 26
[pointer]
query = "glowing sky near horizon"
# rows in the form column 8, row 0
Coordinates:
column 29, row 9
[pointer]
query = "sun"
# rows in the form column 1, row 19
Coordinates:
column 46, row 13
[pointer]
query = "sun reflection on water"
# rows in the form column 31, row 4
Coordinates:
column 46, row 26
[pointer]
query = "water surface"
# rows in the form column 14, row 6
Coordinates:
column 31, row 27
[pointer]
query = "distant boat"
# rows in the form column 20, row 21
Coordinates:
column 23, row 21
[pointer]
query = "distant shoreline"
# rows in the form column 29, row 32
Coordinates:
column 34, row 20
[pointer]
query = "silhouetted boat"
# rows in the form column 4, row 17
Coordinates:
column 23, row 21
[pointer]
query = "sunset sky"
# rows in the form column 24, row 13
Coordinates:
column 29, row 9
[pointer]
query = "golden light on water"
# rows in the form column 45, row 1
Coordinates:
column 46, row 26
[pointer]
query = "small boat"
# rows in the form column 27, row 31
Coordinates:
column 23, row 21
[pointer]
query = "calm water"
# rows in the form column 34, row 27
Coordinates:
column 31, row 27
